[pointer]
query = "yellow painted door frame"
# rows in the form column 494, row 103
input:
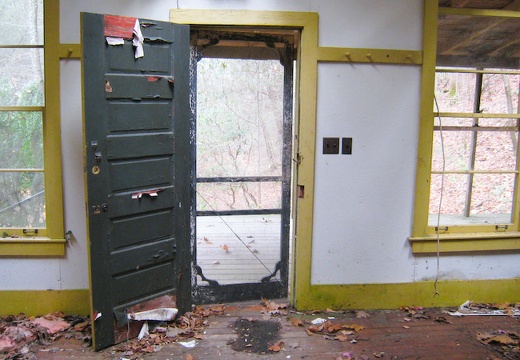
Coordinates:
column 305, row 118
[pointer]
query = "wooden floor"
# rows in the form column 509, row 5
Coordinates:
column 398, row 334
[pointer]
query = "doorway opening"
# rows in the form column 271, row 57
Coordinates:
column 243, row 102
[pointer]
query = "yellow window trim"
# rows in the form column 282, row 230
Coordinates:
column 459, row 238
column 50, row 240
column 470, row 242
column 32, row 247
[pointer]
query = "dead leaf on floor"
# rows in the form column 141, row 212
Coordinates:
column 412, row 310
column 501, row 339
column 354, row 327
column 362, row 314
column 345, row 355
column 224, row 247
column 276, row 347
column 379, row 354
column 189, row 357
column 296, row 322
column 272, row 308
column 442, row 319
column 341, row 338
column 342, row 332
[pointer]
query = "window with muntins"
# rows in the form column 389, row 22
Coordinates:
column 30, row 153
column 22, row 189
column 467, row 199
column 474, row 161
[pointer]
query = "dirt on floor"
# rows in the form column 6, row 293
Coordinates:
column 272, row 330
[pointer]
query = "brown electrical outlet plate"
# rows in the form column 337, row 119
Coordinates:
column 330, row 145
column 346, row 146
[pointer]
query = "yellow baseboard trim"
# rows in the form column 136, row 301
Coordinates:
column 41, row 302
column 393, row 296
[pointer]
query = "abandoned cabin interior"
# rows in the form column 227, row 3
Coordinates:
column 342, row 154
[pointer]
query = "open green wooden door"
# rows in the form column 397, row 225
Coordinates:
column 138, row 165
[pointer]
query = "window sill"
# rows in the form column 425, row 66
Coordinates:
column 32, row 247
column 470, row 242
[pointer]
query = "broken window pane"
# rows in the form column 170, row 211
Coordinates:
column 22, row 22
column 456, row 150
column 493, row 194
column 496, row 150
column 22, row 199
column 21, row 77
column 454, row 92
column 23, row 148
column 499, row 93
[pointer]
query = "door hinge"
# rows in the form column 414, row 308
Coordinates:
column 299, row 158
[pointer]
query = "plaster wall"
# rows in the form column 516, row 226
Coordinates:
column 363, row 202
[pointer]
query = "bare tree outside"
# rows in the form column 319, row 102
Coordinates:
column 239, row 131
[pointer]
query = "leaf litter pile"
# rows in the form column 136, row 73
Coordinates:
column 185, row 330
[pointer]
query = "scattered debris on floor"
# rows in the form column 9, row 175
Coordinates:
column 261, row 332
column 468, row 308
column 20, row 334
column 185, row 331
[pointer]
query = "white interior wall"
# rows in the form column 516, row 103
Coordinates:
column 363, row 202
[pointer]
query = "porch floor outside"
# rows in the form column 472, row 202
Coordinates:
column 239, row 248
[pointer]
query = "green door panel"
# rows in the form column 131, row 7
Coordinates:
column 138, row 157
column 138, row 116
column 136, row 87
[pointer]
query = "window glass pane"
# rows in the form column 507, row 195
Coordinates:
column 239, row 196
column 457, row 146
column 23, row 148
column 496, row 150
column 239, row 117
column 492, row 194
column 22, row 199
column 453, row 195
column 22, row 22
column 491, row 200
column 455, row 92
column 21, row 77
column 499, row 94
column 497, row 122
column 448, row 121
